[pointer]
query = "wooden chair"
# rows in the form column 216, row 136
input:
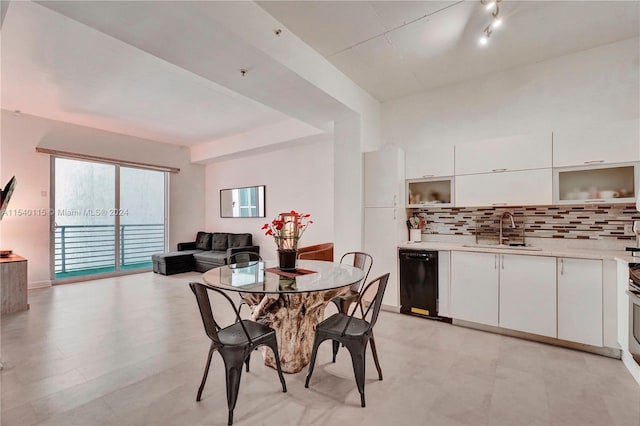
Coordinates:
column 322, row 251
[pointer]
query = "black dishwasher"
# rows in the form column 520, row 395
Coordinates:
column 419, row 283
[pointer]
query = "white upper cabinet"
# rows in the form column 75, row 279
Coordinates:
column 427, row 162
column 504, row 154
column 616, row 142
column 520, row 188
column 384, row 177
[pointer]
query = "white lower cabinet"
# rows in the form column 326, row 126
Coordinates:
column 444, row 289
column 517, row 292
column 474, row 287
column 528, row 294
column 580, row 300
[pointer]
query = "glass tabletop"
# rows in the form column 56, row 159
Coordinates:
column 264, row 277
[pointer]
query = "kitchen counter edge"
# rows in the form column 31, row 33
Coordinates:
column 598, row 254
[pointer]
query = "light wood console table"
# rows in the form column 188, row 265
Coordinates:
column 13, row 277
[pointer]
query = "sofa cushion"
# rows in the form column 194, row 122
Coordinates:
column 239, row 240
column 203, row 241
column 173, row 257
column 218, row 257
column 220, row 241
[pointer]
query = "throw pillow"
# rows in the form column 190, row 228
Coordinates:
column 203, row 241
column 220, row 241
column 239, row 240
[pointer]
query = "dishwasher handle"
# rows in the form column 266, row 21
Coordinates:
column 418, row 255
column 422, row 256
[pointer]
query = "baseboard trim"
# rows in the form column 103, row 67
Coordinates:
column 39, row 284
column 631, row 365
column 390, row 308
column 604, row 351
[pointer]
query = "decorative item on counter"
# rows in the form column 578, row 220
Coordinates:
column 415, row 225
column 286, row 230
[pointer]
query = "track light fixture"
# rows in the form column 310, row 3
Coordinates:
column 496, row 23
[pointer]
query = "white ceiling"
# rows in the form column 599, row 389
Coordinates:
column 370, row 43
column 58, row 68
column 169, row 71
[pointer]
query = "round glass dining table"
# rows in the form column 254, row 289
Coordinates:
column 290, row 302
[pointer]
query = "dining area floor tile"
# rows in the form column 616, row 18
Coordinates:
column 131, row 350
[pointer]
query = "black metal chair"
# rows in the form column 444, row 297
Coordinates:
column 243, row 257
column 240, row 258
column 235, row 344
column 360, row 260
column 354, row 332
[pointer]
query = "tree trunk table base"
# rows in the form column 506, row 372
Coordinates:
column 294, row 317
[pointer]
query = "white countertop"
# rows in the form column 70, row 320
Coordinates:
column 587, row 253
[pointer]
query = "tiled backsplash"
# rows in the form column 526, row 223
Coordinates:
column 589, row 222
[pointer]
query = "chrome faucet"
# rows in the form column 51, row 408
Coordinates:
column 513, row 225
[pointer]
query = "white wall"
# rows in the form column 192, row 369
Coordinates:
column 348, row 189
column 298, row 176
column 29, row 236
column 600, row 84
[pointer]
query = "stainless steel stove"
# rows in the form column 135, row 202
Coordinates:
column 634, row 310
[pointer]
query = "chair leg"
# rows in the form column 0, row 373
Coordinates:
column 233, row 373
column 273, row 344
column 336, row 346
column 357, row 351
column 337, row 303
column 206, row 372
column 375, row 357
column 314, row 353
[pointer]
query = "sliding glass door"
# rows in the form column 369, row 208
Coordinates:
column 142, row 216
column 107, row 218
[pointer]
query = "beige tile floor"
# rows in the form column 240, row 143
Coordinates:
column 131, row 350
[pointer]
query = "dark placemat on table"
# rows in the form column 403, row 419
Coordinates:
column 290, row 274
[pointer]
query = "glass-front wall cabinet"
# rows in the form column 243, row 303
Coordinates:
column 430, row 192
column 613, row 183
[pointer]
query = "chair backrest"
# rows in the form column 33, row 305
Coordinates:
column 360, row 260
column 211, row 327
column 322, row 251
column 244, row 257
column 371, row 297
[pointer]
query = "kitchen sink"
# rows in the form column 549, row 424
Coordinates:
column 503, row 246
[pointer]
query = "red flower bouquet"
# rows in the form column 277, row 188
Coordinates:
column 287, row 229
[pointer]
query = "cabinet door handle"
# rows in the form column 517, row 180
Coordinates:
column 394, row 214
column 596, row 201
column 499, row 204
column 561, row 266
column 395, row 201
column 594, row 162
column 495, row 261
column 502, row 258
column 498, row 170
column 427, row 176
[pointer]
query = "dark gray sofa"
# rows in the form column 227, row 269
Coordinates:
column 209, row 251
